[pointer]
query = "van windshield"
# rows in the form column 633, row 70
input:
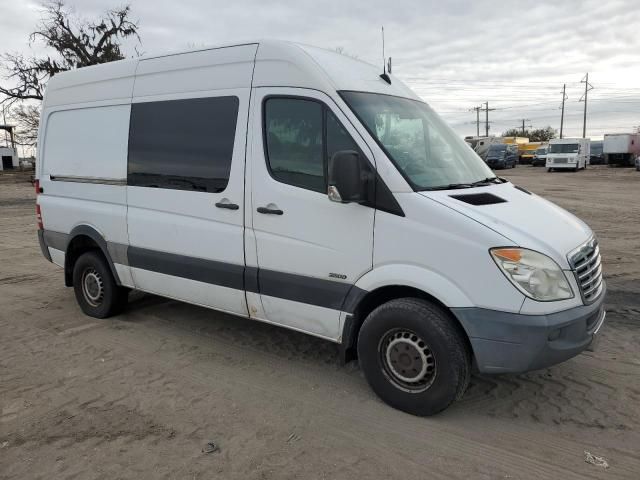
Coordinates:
column 428, row 153
column 497, row 148
column 563, row 148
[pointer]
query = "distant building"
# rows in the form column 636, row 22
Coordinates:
column 9, row 153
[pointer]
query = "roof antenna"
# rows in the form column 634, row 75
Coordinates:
column 384, row 75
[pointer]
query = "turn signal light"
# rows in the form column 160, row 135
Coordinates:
column 510, row 254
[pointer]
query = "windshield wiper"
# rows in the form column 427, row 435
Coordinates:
column 451, row 186
column 488, row 181
column 480, row 183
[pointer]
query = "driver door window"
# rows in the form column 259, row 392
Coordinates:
column 301, row 136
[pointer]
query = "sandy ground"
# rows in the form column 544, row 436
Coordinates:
column 139, row 396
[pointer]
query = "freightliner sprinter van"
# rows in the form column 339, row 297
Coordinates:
column 300, row 187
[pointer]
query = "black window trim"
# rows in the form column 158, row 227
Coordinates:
column 389, row 204
column 233, row 148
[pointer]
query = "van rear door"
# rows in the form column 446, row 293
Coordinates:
column 186, row 176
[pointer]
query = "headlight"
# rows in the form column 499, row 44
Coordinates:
column 534, row 274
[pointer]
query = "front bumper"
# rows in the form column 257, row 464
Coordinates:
column 560, row 166
column 504, row 342
column 496, row 163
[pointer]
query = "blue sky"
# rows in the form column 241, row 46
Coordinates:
column 454, row 54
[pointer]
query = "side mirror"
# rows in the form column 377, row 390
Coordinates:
column 346, row 182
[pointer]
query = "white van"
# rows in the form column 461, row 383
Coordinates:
column 299, row 187
column 568, row 154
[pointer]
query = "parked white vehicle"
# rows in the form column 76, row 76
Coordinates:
column 568, row 153
column 481, row 145
column 296, row 186
column 621, row 149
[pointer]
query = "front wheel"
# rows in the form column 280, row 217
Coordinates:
column 549, row 169
column 414, row 356
column 96, row 290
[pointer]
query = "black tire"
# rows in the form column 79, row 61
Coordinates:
column 96, row 290
column 433, row 341
column 549, row 169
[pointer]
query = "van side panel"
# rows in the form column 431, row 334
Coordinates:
column 82, row 172
column 87, row 142
column 109, row 82
column 185, row 245
column 206, row 70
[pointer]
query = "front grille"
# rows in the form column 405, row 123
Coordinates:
column 587, row 267
column 560, row 160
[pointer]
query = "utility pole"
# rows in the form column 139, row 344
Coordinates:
column 564, row 97
column 587, row 88
column 486, row 122
column 477, row 109
column 523, row 125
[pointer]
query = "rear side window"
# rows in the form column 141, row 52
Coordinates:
column 182, row 144
column 301, row 136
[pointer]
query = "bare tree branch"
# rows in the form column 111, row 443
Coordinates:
column 76, row 43
column 27, row 120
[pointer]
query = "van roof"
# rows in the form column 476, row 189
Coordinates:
column 277, row 64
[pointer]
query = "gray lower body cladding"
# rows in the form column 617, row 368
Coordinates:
column 325, row 293
column 506, row 342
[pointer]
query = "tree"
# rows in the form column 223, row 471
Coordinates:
column 27, row 120
column 537, row 135
column 77, row 43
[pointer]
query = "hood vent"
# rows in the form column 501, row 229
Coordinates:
column 479, row 198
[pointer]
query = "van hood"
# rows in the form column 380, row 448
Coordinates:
column 523, row 218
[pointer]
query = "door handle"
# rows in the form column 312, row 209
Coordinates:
column 272, row 211
column 228, row 206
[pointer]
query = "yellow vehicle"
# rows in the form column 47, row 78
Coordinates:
column 527, row 151
column 515, row 140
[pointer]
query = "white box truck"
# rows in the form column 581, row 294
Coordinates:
column 621, row 149
column 568, row 154
column 299, row 187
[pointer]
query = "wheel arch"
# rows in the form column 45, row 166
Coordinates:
column 84, row 238
column 417, row 283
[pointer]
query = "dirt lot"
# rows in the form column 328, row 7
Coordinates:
column 139, row 396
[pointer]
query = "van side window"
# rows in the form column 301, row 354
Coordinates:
column 293, row 131
column 182, row 144
column 301, row 136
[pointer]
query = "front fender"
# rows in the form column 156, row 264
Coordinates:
column 413, row 276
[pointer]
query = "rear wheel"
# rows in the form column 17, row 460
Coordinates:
column 414, row 356
column 96, row 290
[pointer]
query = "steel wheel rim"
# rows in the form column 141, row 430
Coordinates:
column 92, row 287
column 408, row 362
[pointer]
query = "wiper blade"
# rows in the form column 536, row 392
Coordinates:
column 488, row 181
column 451, row 186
